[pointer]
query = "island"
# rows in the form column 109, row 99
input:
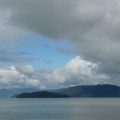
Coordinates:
column 41, row 94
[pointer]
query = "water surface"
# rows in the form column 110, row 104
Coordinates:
column 60, row 109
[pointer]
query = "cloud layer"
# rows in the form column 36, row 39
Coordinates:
column 91, row 26
column 8, row 32
column 77, row 71
column 15, row 57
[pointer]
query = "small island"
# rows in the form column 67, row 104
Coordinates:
column 41, row 94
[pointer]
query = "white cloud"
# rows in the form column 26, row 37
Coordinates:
column 79, row 71
column 75, row 72
column 11, row 77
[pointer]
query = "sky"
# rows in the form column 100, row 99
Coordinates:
column 50, row 44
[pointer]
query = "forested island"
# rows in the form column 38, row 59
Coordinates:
column 41, row 94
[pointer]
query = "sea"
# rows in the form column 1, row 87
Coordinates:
column 60, row 109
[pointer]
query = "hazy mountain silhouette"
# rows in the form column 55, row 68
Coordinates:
column 105, row 90
column 7, row 93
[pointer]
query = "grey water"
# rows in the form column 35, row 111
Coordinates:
column 60, row 109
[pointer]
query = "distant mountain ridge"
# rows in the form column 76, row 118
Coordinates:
column 105, row 90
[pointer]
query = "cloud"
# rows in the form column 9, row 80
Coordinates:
column 75, row 72
column 8, row 32
column 9, row 56
column 15, row 59
column 7, row 52
column 48, row 62
column 65, row 51
column 56, row 19
column 79, row 72
column 11, row 77
column 91, row 26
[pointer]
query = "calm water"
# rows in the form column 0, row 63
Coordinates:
column 60, row 109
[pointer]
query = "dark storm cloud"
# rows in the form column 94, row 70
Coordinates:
column 55, row 18
column 91, row 26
